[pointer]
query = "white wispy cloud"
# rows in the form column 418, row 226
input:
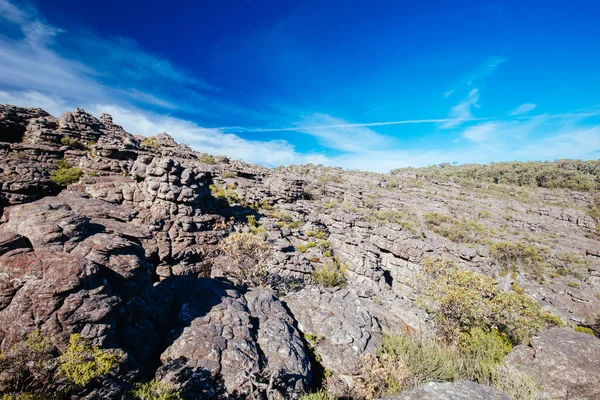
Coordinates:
column 462, row 111
column 523, row 109
column 213, row 141
column 114, row 75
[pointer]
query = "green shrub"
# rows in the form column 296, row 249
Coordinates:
column 81, row 362
column 320, row 395
column 424, row 360
column 151, row 142
column 463, row 300
column 27, row 365
column 570, row 263
column 251, row 220
column 301, row 248
column 330, row 274
column 520, row 257
column 311, row 244
column 65, row 174
column 405, row 220
column 226, row 196
column 482, row 349
column 459, row 231
column 249, row 253
column 155, row 390
column 584, row 329
column 516, row 288
column 568, row 174
column 295, row 224
column 229, row 174
column 207, row 159
column 404, row 362
column 280, row 224
column 74, row 143
column 516, row 384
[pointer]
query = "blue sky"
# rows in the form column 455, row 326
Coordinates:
column 370, row 85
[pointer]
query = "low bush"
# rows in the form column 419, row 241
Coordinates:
column 249, row 253
column 65, row 174
column 155, row 390
column 514, row 383
column 405, row 220
column 462, row 300
column 570, row 263
column 34, row 367
column 584, row 329
column 74, row 143
column 330, row 274
column 404, row 362
column 82, row 362
column 295, row 224
column 320, row 395
column 520, row 257
column 207, row 159
column 225, row 196
column 459, row 231
column 151, row 142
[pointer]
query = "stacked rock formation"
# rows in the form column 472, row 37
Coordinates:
column 130, row 257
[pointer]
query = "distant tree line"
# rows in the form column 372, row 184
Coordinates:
column 566, row 174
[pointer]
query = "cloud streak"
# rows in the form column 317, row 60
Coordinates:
column 43, row 67
column 523, row 109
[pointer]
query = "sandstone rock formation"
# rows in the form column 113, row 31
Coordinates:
column 130, row 257
column 565, row 363
column 461, row 390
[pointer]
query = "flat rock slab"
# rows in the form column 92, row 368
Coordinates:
column 565, row 363
column 460, row 390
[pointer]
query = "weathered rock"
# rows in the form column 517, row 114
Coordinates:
column 460, row 390
column 344, row 325
column 221, row 336
column 565, row 363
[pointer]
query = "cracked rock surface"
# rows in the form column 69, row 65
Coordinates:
column 130, row 257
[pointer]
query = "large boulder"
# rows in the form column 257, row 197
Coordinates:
column 565, row 363
column 224, row 343
column 460, row 390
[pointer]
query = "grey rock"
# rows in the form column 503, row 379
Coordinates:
column 566, row 363
column 460, row 390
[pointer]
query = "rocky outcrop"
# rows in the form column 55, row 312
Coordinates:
column 344, row 325
column 130, row 257
column 565, row 363
column 460, row 390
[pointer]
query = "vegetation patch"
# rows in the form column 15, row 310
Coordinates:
column 520, row 257
column 459, row 231
column 207, row 159
column 65, row 174
column 566, row 174
column 463, row 300
column 74, row 143
column 155, row 390
column 226, row 196
column 30, row 368
column 403, row 362
column 249, row 253
column 405, row 220
column 151, row 142
column 330, row 274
